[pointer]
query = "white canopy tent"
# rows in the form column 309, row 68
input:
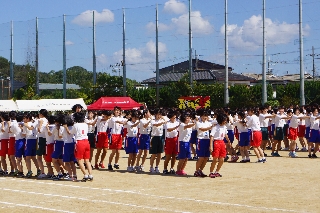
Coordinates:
column 49, row 104
column 7, row 105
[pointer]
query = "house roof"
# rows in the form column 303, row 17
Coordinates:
column 202, row 71
column 288, row 77
column 45, row 86
column 203, row 75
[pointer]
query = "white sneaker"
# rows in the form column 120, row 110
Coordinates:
column 157, row 170
column 43, row 175
column 304, row 149
column 152, row 170
column 141, row 169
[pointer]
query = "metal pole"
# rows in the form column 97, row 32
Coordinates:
column 313, row 66
column 157, row 57
column 190, row 46
column 302, row 98
column 37, row 58
column 226, row 83
column 264, row 52
column 94, row 51
column 64, row 58
column 11, row 63
column 124, row 55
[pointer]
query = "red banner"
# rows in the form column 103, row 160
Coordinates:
column 194, row 102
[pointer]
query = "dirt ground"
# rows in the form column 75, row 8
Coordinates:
column 282, row 184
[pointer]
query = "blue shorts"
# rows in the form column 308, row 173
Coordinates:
column 203, row 148
column 144, row 142
column 273, row 127
column 193, row 138
column 131, row 145
column 230, row 136
column 244, row 139
column 31, row 147
column 19, row 146
column 184, row 150
column 68, row 152
column 307, row 133
column 314, row 136
column 58, row 150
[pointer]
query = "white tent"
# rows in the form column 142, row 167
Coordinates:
column 62, row 104
column 30, row 105
column 7, row 105
column 49, row 104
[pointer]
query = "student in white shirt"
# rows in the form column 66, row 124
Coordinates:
column 185, row 131
column 171, row 142
column 48, row 130
column 91, row 122
column 41, row 150
column 144, row 139
column 4, row 140
column 131, row 145
column 12, row 142
column 16, row 129
column 217, row 145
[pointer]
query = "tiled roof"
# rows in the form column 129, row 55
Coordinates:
column 288, row 77
column 203, row 71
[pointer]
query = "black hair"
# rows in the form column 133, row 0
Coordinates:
column 5, row 116
column 221, row 117
column 171, row 114
column 13, row 115
column 78, row 117
column 241, row 114
column 116, row 107
column 61, row 119
column 184, row 116
column 74, row 108
column 28, row 116
column 290, row 111
column 19, row 117
column 51, row 119
column 43, row 112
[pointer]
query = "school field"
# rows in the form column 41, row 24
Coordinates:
column 280, row 185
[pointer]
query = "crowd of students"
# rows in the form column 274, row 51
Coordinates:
column 62, row 141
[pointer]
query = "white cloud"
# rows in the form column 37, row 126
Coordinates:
column 69, row 43
column 141, row 59
column 249, row 35
column 151, row 27
column 85, row 18
column 199, row 25
column 174, row 6
column 102, row 59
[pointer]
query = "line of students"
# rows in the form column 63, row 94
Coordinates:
column 63, row 139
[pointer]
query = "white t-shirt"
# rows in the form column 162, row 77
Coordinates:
column 314, row 123
column 114, row 126
column 302, row 121
column 13, row 122
column 42, row 127
column 5, row 134
column 132, row 131
column 229, row 125
column 169, row 125
column 184, row 134
column 146, row 130
column 90, row 127
column 307, row 121
column 31, row 134
column 241, row 127
column 102, row 126
column 157, row 130
column 49, row 138
column 253, row 123
column 203, row 134
column 264, row 122
column 278, row 121
column 294, row 122
column 218, row 132
column 16, row 130
column 80, row 131
column 65, row 136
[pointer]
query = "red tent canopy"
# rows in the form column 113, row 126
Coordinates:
column 108, row 103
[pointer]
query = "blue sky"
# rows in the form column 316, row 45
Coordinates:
column 244, row 29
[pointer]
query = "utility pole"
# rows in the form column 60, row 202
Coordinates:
column 64, row 58
column 124, row 55
column 94, row 61
column 264, row 52
column 226, row 83
column 157, row 59
column 37, row 58
column 190, row 47
column 313, row 65
column 11, row 62
column 302, row 97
